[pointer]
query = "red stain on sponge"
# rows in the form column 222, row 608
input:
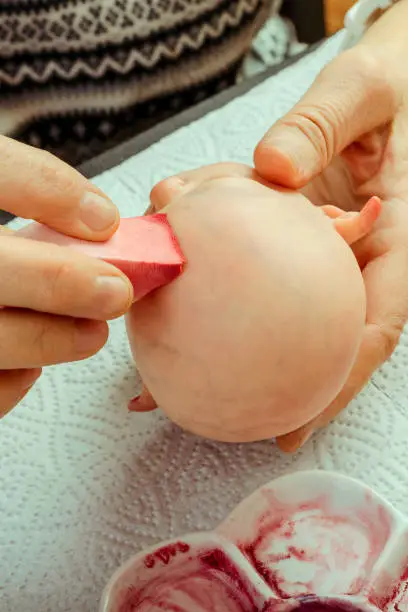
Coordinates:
column 144, row 248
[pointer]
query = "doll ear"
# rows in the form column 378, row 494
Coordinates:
column 143, row 402
column 353, row 226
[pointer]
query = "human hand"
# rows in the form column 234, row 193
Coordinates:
column 345, row 141
column 54, row 302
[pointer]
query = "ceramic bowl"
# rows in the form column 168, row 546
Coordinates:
column 311, row 541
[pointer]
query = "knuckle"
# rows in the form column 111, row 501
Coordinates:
column 365, row 65
column 357, row 64
column 388, row 336
column 369, row 67
column 54, row 176
column 4, row 333
column 358, row 80
column 54, row 341
column 362, row 74
column 44, row 342
column 319, row 124
column 391, row 337
column 370, row 70
column 50, row 166
column 72, row 351
column 7, row 149
column 59, row 287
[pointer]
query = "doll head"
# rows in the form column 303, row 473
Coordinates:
column 260, row 332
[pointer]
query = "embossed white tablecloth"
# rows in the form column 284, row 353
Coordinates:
column 84, row 484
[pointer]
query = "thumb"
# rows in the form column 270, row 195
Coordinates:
column 37, row 185
column 350, row 97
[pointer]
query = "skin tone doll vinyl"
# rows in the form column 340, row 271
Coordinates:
column 260, row 330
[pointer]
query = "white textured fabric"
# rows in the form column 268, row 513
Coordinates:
column 84, row 484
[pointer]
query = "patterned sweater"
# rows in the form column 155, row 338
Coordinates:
column 78, row 76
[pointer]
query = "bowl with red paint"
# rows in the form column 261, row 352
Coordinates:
column 307, row 542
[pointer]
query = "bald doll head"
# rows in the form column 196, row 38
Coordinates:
column 259, row 334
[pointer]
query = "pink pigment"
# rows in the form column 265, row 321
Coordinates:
column 144, row 248
column 278, row 536
column 215, row 584
column 393, row 596
column 165, row 554
column 326, row 551
column 211, row 582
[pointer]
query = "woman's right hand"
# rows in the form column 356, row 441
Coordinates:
column 54, row 302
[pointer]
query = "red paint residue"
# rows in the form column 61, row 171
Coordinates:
column 165, row 553
column 340, row 550
column 392, row 595
column 303, row 551
column 314, row 604
column 207, row 582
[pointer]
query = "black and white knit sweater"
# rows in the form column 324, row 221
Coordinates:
column 78, row 76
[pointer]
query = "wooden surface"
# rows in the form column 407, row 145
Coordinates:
column 335, row 11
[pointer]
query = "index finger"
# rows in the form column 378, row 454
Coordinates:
column 387, row 313
column 36, row 185
column 59, row 280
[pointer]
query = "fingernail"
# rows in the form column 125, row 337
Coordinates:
column 97, row 212
column 113, row 297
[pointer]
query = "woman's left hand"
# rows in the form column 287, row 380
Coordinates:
column 346, row 140
column 383, row 255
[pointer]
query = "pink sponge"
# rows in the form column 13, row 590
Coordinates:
column 144, row 248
